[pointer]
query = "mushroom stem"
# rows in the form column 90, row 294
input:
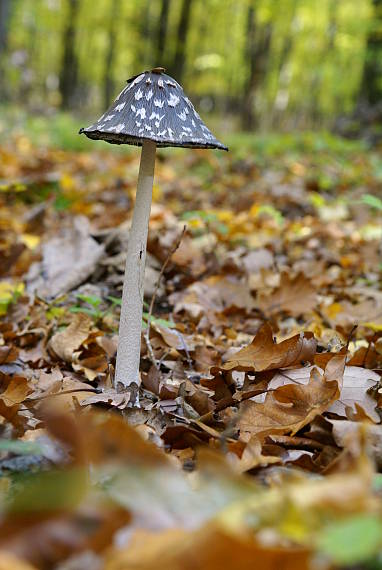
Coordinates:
column 130, row 326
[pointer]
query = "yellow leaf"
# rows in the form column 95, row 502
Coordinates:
column 8, row 292
column 333, row 310
column 30, row 240
column 195, row 223
column 376, row 327
column 67, row 182
column 254, row 210
column 225, row 216
column 157, row 193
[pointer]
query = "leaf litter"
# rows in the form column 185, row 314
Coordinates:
column 258, row 439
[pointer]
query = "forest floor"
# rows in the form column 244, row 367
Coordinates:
column 258, row 437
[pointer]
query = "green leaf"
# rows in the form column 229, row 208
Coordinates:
column 352, row 541
column 90, row 299
column 272, row 212
column 87, row 311
column 158, row 321
column 114, row 300
column 372, row 201
column 49, row 490
column 55, row 312
column 377, row 482
column 20, row 447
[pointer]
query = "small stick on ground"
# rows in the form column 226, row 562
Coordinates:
column 153, row 298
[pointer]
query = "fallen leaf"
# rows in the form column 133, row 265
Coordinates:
column 290, row 407
column 65, row 343
column 295, row 295
column 16, row 390
column 355, row 386
column 345, row 430
column 252, row 457
column 8, row 561
column 264, row 354
column 210, row 548
column 110, row 397
column 8, row 354
column 213, row 295
column 68, row 260
column 354, row 389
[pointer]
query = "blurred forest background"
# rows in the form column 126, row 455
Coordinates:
column 267, row 64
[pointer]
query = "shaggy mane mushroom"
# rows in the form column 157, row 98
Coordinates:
column 151, row 111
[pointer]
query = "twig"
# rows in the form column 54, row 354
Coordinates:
column 37, row 398
column 228, row 402
column 366, row 354
column 153, row 298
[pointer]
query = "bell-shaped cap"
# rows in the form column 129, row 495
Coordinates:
column 153, row 107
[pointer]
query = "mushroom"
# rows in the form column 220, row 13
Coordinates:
column 151, row 111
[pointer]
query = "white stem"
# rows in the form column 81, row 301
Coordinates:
column 130, row 326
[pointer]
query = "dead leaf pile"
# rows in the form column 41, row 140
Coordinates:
column 258, row 439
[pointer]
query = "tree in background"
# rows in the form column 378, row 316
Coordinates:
column 269, row 67
column 371, row 86
column 258, row 41
column 178, row 64
column 282, row 67
column 108, row 81
column 162, row 33
column 5, row 13
column 69, row 64
column 142, row 21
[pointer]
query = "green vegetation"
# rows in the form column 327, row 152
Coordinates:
column 270, row 67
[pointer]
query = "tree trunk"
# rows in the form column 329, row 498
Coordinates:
column 69, row 63
column 143, row 54
column 108, row 81
column 181, row 41
column 256, row 58
column 162, row 32
column 371, row 85
column 5, row 12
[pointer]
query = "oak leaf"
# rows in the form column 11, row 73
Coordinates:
column 209, row 547
column 291, row 407
column 65, row 343
column 264, row 354
column 295, row 295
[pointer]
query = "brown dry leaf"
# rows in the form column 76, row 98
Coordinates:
column 9, row 561
column 110, row 397
column 106, row 437
column 213, row 295
column 264, row 354
column 295, row 295
column 296, row 500
column 354, row 391
column 68, row 260
column 65, row 343
column 210, row 547
column 8, row 354
column 46, row 539
column 190, row 256
column 355, row 387
column 345, row 431
column 252, row 457
column 16, row 390
column 290, row 407
column 174, row 338
column 64, row 393
column 346, row 314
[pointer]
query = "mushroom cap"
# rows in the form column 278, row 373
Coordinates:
column 153, row 107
